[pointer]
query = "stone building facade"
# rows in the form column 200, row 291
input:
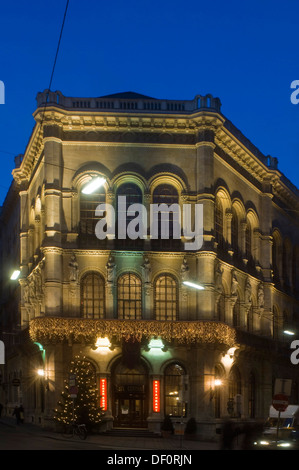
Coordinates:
column 158, row 346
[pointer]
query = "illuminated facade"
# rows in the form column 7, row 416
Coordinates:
column 158, row 346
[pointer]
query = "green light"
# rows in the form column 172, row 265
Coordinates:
column 42, row 350
column 156, row 343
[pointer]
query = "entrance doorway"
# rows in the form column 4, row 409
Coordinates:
column 130, row 400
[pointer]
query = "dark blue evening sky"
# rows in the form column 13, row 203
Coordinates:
column 246, row 53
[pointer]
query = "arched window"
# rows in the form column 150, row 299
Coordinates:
column 218, row 221
column 248, row 240
column 93, row 296
column 174, row 379
column 286, row 263
column 234, row 390
column 166, row 298
column 133, row 195
column 88, row 220
column 235, row 231
column 276, row 258
column 166, row 194
column 129, row 297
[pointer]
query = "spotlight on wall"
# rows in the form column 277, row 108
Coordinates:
column 15, row 275
column 102, row 345
column 289, row 332
column 41, row 372
column 192, row 284
column 93, row 185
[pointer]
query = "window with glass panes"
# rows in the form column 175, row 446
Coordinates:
column 93, row 296
column 174, row 398
column 88, row 205
column 166, row 194
column 133, row 195
column 218, row 220
column 166, row 298
column 129, row 297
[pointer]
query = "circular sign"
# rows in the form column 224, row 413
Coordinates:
column 280, row 402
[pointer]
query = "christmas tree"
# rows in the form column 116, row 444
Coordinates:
column 85, row 407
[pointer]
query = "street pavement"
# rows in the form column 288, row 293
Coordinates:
column 100, row 441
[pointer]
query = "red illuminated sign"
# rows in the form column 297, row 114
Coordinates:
column 103, row 394
column 156, row 396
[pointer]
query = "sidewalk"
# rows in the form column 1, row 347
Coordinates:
column 108, row 442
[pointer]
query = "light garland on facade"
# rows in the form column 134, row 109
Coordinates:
column 77, row 329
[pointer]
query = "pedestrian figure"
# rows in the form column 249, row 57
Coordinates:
column 16, row 413
column 21, row 414
column 1, row 408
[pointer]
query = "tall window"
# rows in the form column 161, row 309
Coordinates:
column 93, row 296
column 166, row 194
column 88, row 220
column 276, row 258
column 235, row 231
column 166, row 298
column 218, row 221
column 129, row 297
column 234, row 390
column 133, row 195
column 175, row 390
column 248, row 240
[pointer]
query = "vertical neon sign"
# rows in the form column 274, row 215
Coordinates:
column 103, row 393
column 156, row 396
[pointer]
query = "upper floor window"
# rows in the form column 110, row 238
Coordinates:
column 218, row 220
column 166, row 298
column 88, row 220
column 129, row 297
column 133, row 195
column 93, row 296
column 166, row 194
column 235, row 230
column 248, row 240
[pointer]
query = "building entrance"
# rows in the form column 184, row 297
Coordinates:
column 130, row 401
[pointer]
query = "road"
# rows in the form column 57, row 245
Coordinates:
column 18, row 439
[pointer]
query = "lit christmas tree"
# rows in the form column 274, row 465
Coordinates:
column 85, row 407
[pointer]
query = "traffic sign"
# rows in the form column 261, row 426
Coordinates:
column 280, row 402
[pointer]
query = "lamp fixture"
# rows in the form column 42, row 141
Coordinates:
column 15, row 275
column 192, row 284
column 93, row 185
column 289, row 332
